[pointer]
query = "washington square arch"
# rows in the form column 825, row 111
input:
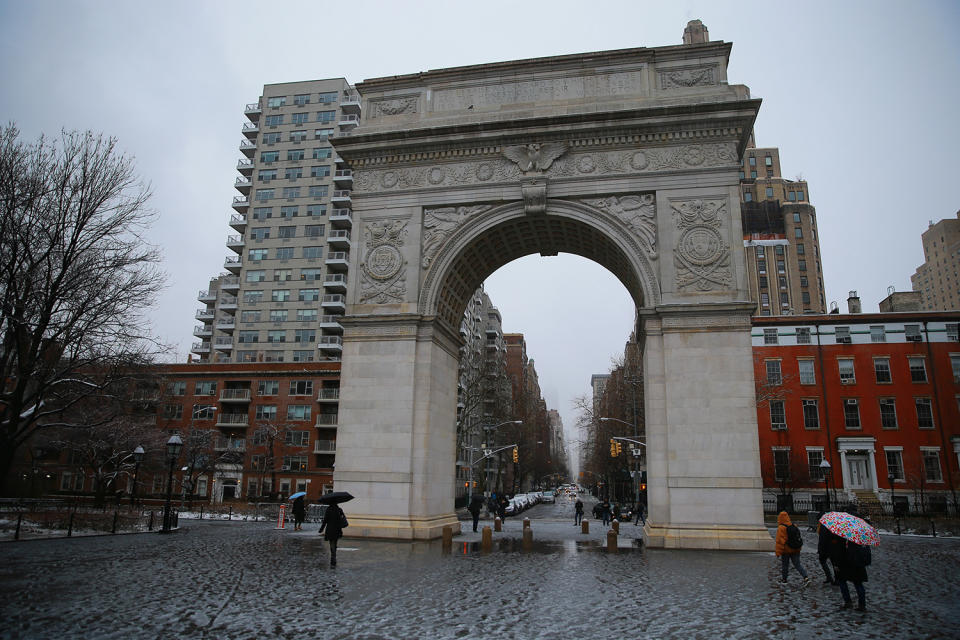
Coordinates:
column 629, row 158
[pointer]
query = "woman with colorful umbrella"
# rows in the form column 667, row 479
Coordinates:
column 853, row 556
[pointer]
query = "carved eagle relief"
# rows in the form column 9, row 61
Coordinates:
column 536, row 156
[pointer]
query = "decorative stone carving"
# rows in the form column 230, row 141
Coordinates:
column 684, row 78
column 638, row 212
column 534, row 192
column 535, row 157
column 702, row 257
column 394, row 106
column 439, row 224
column 382, row 272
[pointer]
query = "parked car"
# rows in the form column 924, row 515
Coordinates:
column 549, row 497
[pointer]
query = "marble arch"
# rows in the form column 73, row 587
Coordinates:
column 629, row 158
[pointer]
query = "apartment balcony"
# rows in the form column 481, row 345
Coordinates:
column 230, row 284
column 343, row 178
column 341, row 218
column 331, row 323
column 350, row 103
column 242, row 185
column 325, row 446
column 204, row 314
column 206, row 296
column 339, row 160
column 232, row 264
column 491, row 330
column 226, row 324
column 348, row 121
column 251, row 129
column 341, row 196
column 245, row 167
column 223, row 344
column 329, row 395
column 235, row 395
column 233, row 420
column 241, row 203
column 200, row 347
column 335, row 282
column 327, row 421
column 253, row 111
column 203, row 331
column 335, row 302
column 338, row 260
column 248, row 148
column 228, row 303
column 230, row 444
column 238, row 221
column 330, row 344
column 338, row 239
column 236, row 243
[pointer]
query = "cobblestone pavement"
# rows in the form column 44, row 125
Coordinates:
column 248, row 580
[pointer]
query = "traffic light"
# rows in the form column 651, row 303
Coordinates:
column 613, row 448
column 516, row 454
column 619, row 447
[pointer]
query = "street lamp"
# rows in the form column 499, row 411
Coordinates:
column 825, row 470
column 137, row 458
column 893, row 500
column 174, row 444
column 483, row 446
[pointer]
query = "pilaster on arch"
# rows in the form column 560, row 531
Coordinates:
column 630, row 250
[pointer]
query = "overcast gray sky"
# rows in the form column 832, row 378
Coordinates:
column 860, row 97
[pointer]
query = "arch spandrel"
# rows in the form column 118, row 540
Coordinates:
column 469, row 243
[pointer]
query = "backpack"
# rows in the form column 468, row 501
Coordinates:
column 794, row 538
column 860, row 556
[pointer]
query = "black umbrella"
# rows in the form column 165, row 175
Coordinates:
column 335, row 498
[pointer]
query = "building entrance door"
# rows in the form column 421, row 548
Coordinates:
column 859, row 472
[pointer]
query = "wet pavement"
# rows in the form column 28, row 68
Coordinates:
column 248, row 580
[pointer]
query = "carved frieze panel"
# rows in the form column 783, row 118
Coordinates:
column 393, row 106
column 558, row 165
column 688, row 77
column 383, row 270
column 637, row 212
column 702, row 254
column 439, row 224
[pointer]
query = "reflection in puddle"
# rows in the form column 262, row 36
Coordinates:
column 513, row 545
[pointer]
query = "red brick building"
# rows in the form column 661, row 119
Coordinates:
column 875, row 395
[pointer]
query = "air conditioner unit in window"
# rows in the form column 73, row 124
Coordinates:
column 852, row 402
column 915, row 338
column 779, row 426
column 844, row 339
column 847, row 380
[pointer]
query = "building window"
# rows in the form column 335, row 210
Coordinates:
column 918, row 369
column 765, row 301
column 846, row 370
column 305, row 335
column 924, row 413
column 753, row 174
column 326, row 116
column 278, row 315
column 878, row 333
column 851, row 413
column 203, row 411
column 274, row 120
column 804, row 282
column 316, row 210
column 769, row 192
column 300, row 355
column 769, row 336
column 778, row 415
column 774, row 376
column 781, row 266
column 306, row 315
column 763, row 282
column 310, row 274
column 803, row 335
column 276, row 102
column 807, row 372
column 247, row 356
column 912, row 332
column 266, row 412
column 313, row 252
column 300, row 118
column 269, row 139
column 276, row 335
column 250, row 316
column 265, row 194
column 262, row 213
column 284, row 253
column 320, row 172
column 292, row 173
column 842, row 335
column 953, row 331
column 282, row 275
column 798, row 233
column 287, row 232
column 295, row 155
column 297, row 438
column 800, row 248
column 931, row 465
column 955, row 367
column 293, row 463
column 881, row 368
column 894, row 464
column 253, row 296
column 298, row 136
column 291, row 192
column 768, row 161
column 301, row 99
column 811, row 414
column 268, row 387
column 248, row 336
column 742, row 175
column 308, row 295
column 266, row 175
column 747, row 195
column 207, row 388
column 327, row 97
column 298, row 412
column 781, row 465
column 802, row 265
column 805, row 297
column 313, row 230
column 321, row 153
column 814, row 458
column 280, row 295
column 318, row 191
column 178, row 388
column 301, row 387
column 173, row 411
column 800, row 195
column 753, row 161
column 888, row 413
column 259, row 233
column 322, row 134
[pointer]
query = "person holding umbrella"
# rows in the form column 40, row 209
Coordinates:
column 853, row 556
column 299, row 510
column 334, row 520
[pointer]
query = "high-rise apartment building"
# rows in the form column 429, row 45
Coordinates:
column 937, row 278
column 283, row 293
column 780, row 235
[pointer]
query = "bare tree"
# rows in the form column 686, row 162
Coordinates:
column 76, row 278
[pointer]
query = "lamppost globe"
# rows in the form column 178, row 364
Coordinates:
column 137, row 459
column 825, row 469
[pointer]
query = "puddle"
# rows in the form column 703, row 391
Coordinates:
column 512, row 545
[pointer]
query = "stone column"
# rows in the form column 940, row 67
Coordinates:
column 874, row 484
column 396, row 444
column 703, row 483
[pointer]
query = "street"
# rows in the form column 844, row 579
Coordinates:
column 248, row 580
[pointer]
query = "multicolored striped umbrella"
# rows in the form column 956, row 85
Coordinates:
column 850, row 527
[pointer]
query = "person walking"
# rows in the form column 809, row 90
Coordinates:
column 299, row 513
column 475, row 505
column 502, row 508
column 616, row 512
column 640, row 515
column 605, row 512
column 334, row 520
column 787, row 553
column 827, row 541
column 578, row 512
column 852, row 567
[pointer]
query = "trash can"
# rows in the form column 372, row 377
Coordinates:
column 813, row 520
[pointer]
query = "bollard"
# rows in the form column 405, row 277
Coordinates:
column 486, row 542
column 201, row 512
column 230, row 513
column 447, row 538
column 585, row 526
column 527, row 539
column 116, row 514
column 616, row 526
column 150, row 526
column 16, row 535
column 526, row 523
column 70, row 524
column 497, row 524
column 611, row 541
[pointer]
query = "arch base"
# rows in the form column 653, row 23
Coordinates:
column 717, row 537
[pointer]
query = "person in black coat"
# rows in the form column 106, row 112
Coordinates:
column 475, row 505
column 826, row 542
column 333, row 521
column 852, row 566
column 299, row 513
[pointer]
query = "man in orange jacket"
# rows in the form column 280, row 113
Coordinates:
column 785, row 552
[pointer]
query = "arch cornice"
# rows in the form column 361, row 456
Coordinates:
column 639, row 253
